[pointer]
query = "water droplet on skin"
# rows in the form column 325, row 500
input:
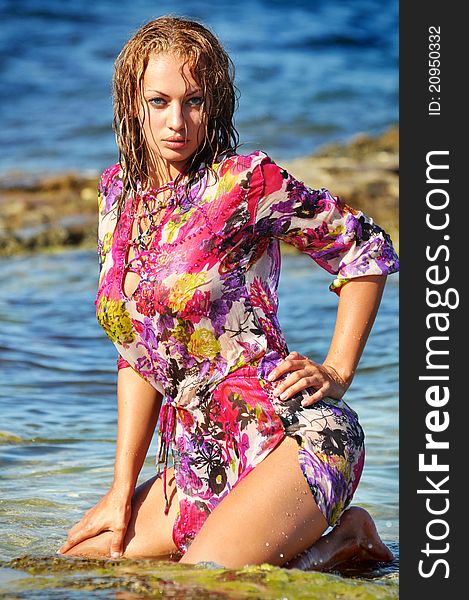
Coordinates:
column 370, row 546
column 281, row 556
column 267, row 544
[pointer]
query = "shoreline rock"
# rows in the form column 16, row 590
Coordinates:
column 60, row 211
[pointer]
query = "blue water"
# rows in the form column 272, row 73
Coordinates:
column 309, row 72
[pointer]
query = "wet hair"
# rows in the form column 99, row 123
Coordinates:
column 211, row 68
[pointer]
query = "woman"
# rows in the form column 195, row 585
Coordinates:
column 266, row 454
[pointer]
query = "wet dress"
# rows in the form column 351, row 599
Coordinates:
column 201, row 326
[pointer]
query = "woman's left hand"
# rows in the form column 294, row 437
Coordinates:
column 306, row 373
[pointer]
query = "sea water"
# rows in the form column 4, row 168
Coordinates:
column 309, row 72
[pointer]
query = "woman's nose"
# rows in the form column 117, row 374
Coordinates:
column 176, row 117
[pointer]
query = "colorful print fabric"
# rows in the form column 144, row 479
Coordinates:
column 234, row 428
column 206, row 306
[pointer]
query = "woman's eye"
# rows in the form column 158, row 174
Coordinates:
column 157, row 101
column 195, row 101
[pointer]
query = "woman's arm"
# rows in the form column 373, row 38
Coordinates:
column 358, row 304
column 359, row 301
column 138, row 409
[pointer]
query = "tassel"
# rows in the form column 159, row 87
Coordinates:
column 167, row 421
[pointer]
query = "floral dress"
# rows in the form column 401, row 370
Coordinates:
column 201, row 326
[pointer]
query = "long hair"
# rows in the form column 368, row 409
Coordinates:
column 211, row 68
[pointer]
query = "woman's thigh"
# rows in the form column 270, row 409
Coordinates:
column 269, row 516
column 149, row 533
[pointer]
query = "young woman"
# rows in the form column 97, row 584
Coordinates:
column 266, row 453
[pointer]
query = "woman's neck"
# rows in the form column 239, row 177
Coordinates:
column 160, row 174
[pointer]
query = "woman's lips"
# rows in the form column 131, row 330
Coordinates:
column 175, row 144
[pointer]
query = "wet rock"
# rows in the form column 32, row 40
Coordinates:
column 49, row 213
column 46, row 576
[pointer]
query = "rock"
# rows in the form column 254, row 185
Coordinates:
column 50, row 212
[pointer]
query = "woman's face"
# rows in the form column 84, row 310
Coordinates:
column 172, row 106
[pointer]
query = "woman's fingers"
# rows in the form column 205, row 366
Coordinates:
column 321, row 386
column 117, row 542
column 305, row 373
column 76, row 538
column 112, row 514
column 295, row 354
column 293, row 386
column 313, row 398
column 73, row 541
column 77, row 534
column 66, row 547
column 291, row 362
column 290, row 384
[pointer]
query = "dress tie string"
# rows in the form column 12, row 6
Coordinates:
column 167, row 421
column 167, row 426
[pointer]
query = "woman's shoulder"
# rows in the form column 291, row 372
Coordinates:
column 237, row 163
column 109, row 188
column 110, row 173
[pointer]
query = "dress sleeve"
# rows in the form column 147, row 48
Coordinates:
column 100, row 232
column 109, row 189
column 341, row 239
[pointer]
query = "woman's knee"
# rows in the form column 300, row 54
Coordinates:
column 270, row 516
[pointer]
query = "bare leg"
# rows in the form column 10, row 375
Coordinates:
column 270, row 516
column 354, row 538
column 294, row 535
column 149, row 534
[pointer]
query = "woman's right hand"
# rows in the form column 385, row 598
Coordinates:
column 138, row 406
column 111, row 513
